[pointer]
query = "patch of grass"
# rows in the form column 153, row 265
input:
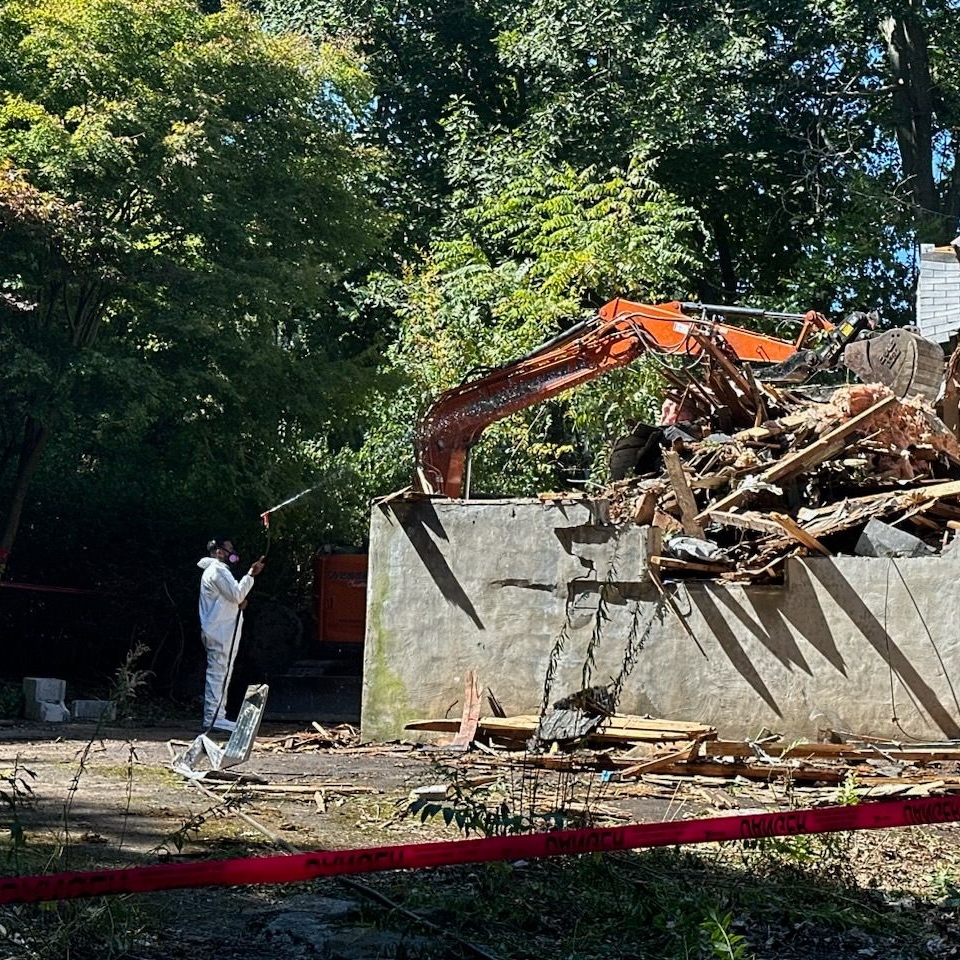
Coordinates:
column 672, row 905
column 100, row 928
column 142, row 773
column 103, row 928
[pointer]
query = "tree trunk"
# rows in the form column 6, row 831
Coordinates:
column 908, row 58
column 35, row 436
column 728, row 272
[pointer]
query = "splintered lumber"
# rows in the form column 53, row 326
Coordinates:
column 664, row 760
column 292, row 789
column 837, row 751
column 805, row 459
column 688, row 506
column 691, row 566
column 755, row 771
column 796, row 532
column 748, row 520
column 467, row 731
column 619, row 728
column 732, row 373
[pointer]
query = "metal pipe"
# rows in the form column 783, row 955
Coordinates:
column 740, row 311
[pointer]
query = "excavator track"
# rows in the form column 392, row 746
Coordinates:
column 899, row 359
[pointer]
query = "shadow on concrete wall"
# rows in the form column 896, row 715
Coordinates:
column 770, row 617
column 586, row 534
column 848, row 599
column 418, row 521
column 704, row 598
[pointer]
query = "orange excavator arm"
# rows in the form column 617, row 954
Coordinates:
column 621, row 332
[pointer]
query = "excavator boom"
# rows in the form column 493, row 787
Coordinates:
column 621, row 332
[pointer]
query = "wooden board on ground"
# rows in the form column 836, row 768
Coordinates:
column 619, row 728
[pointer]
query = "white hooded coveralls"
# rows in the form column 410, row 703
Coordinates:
column 220, row 599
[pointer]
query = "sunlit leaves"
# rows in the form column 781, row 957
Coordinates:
column 545, row 251
column 179, row 194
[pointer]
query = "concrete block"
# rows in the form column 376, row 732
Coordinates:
column 94, row 710
column 46, row 712
column 879, row 539
column 47, row 689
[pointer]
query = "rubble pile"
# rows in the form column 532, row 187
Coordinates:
column 655, row 751
column 759, row 474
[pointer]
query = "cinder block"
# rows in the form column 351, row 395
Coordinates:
column 45, row 689
column 94, row 710
column 45, row 711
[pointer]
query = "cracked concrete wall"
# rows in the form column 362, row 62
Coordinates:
column 522, row 590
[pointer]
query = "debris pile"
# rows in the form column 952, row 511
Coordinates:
column 343, row 736
column 657, row 751
column 758, row 474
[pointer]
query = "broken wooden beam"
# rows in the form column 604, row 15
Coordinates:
column 796, row 532
column 685, row 499
column 619, row 728
column 805, row 459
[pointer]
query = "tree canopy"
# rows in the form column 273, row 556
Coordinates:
column 179, row 194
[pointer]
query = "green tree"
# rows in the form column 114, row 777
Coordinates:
column 553, row 245
column 178, row 194
column 815, row 138
column 420, row 58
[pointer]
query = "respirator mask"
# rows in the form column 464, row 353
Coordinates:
column 233, row 556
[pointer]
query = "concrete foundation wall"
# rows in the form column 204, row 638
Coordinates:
column 506, row 588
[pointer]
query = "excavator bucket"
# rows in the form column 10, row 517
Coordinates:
column 901, row 360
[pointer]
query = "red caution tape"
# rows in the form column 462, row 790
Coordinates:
column 307, row 866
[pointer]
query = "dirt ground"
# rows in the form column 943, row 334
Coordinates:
column 88, row 797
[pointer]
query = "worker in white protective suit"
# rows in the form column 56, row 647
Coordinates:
column 222, row 600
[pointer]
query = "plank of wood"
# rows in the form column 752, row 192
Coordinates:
column 688, row 505
column 808, row 457
column 796, row 532
column 765, row 771
column 619, row 728
column 734, row 375
column 691, row 566
column 749, row 520
column 657, row 763
column 711, row 481
column 757, row 392
column 467, row 731
column 759, row 432
column 291, row 788
column 936, row 491
column 834, row 751
column 617, row 721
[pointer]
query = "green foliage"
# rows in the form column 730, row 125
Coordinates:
column 130, row 679
column 11, row 699
column 179, row 194
column 670, row 904
column 108, row 927
column 542, row 253
column 944, row 885
column 847, row 794
column 16, row 792
column 484, row 811
column 724, row 943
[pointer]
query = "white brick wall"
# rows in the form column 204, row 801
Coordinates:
column 938, row 293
